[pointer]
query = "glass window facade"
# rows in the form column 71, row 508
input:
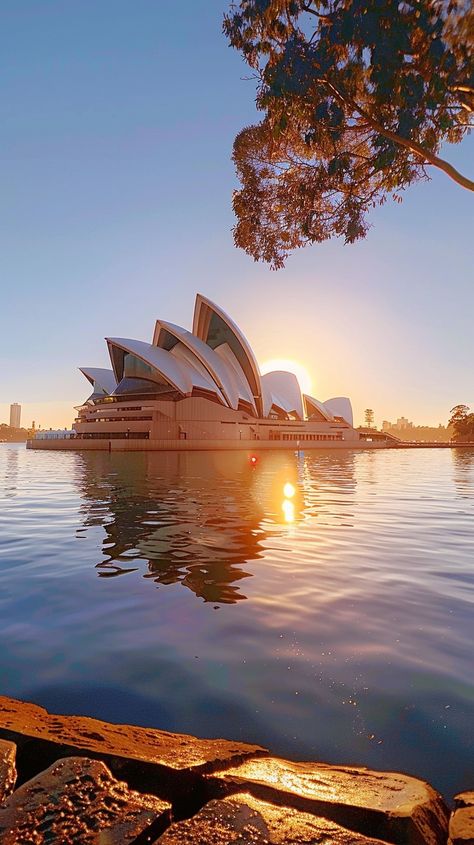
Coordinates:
column 134, row 367
column 141, row 386
column 219, row 332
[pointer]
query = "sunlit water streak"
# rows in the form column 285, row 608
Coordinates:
column 180, row 591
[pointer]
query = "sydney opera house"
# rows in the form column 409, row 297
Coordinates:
column 199, row 389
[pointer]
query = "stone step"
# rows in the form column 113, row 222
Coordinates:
column 461, row 827
column 78, row 802
column 243, row 819
column 461, row 823
column 216, row 785
column 384, row 805
column 177, row 753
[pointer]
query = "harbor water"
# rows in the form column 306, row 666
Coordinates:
column 319, row 603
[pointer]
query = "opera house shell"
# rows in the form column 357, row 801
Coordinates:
column 201, row 389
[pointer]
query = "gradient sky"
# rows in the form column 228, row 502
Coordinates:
column 117, row 122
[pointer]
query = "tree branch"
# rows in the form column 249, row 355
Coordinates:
column 412, row 146
column 316, row 14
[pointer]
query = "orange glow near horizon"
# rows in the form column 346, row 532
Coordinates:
column 49, row 414
column 287, row 364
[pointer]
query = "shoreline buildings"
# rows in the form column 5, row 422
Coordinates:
column 412, row 433
column 200, row 390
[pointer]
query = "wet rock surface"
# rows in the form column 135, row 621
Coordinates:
column 461, row 823
column 464, row 799
column 7, row 768
column 384, row 805
column 244, row 819
column 78, row 801
column 180, row 789
column 178, row 752
column 461, row 826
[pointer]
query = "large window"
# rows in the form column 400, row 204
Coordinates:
column 219, row 333
column 142, row 388
column 167, row 341
column 134, row 367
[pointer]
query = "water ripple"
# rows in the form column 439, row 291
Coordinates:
column 180, row 590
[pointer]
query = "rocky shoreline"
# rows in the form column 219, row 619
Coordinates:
column 72, row 779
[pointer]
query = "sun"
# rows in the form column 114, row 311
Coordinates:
column 299, row 370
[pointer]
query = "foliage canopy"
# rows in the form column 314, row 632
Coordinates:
column 462, row 423
column 369, row 417
column 358, row 97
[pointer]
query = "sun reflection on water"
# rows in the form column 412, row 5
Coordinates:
column 288, row 509
column 288, row 506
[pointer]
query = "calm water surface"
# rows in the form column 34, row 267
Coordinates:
column 174, row 590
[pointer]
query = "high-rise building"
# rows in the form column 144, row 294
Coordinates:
column 402, row 422
column 15, row 415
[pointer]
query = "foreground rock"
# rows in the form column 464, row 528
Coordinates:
column 77, row 801
column 461, row 823
column 228, row 792
column 461, row 827
column 243, row 819
column 177, row 752
column 383, row 805
column 464, row 799
column 7, row 768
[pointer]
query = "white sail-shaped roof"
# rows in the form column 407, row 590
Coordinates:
column 312, row 405
column 215, row 362
column 340, row 407
column 100, row 377
column 281, row 388
column 210, row 361
column 212, row 325
column 180, row 370
column 237, row 375
column 200, row 376
column 170, row 370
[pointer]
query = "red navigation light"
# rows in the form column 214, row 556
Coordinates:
column 253, row 459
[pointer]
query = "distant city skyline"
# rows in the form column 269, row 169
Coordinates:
column 403, row 423
column 117, row 185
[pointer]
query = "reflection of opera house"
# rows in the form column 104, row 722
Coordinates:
column 199, row 389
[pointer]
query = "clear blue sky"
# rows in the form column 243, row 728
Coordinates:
column 117, row 122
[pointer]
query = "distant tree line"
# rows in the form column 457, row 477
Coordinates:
column 462, row 423
column 12, row 435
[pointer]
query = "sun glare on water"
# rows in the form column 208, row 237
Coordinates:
column 299, row 370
